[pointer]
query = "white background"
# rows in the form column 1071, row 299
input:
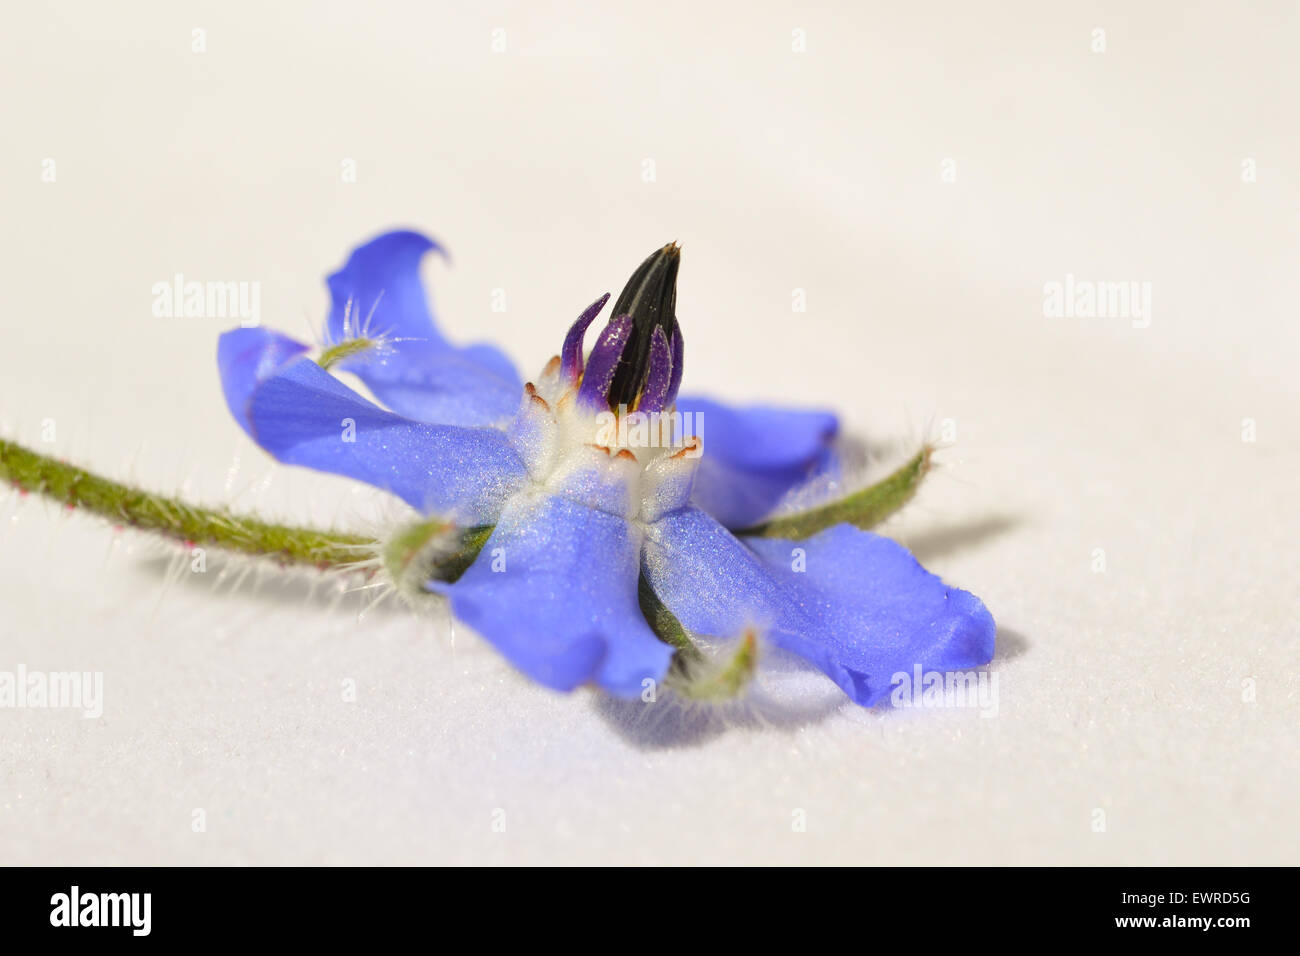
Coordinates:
column 1119, row 691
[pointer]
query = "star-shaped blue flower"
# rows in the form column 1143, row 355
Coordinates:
column 586, row 537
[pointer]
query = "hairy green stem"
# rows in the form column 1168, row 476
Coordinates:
column 77, row 488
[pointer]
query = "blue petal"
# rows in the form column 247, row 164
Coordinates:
column 555, row 590
column 755, row 456
column 303, row 416
column 862, row 610
column 417, row 373
column 245, row 359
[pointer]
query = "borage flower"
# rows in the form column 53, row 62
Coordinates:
column 592, row 525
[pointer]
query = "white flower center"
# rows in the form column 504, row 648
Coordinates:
column 634, row 465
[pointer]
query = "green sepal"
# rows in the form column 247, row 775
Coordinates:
column 703, row 678
column 864, row 509
column 661, row 620
column 431, row 549
column 331, row 356
column 693, row 674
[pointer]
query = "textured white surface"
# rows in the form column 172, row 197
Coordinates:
column 1120, row 691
